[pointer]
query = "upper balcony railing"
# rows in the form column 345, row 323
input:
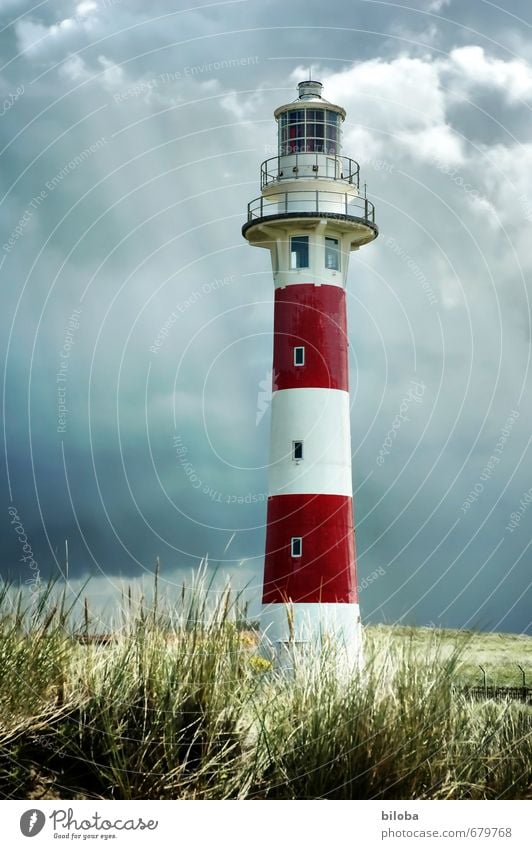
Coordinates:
column 310, row 203
column 308, row 166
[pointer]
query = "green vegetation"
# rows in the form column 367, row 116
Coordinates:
column 179, row 704
column 501, row 655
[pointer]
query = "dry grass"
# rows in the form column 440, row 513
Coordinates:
column 180, row 705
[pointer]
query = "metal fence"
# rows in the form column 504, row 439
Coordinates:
column 309, row 202
column 500, row 694
column 306, row 166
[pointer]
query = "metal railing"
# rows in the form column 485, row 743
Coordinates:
column 500, row 693
column 310, row 202
column 307, row 166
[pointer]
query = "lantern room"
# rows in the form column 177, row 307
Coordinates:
column 310, row 124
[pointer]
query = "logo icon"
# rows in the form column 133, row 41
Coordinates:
column 32, row 822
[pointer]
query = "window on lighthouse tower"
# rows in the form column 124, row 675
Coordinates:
column 332, row 254
column 299, row 355
column 297, row 450
column 296, row 546
column 309, row 131
column 299, row 252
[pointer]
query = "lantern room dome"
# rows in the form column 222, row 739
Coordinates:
column 309, row 124
column 310, row 90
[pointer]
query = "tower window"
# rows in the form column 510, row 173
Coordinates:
column 332, row 254
column 297, row 450
column 299, row 355
column 299, row 252
column 309, row 131
column 296, row 546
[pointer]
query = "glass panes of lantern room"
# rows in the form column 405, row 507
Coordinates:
column 309, row 131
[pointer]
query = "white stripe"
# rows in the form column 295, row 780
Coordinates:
column 320, row 418
column 311, row 623
column 308, row 277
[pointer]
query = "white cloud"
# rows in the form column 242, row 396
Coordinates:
column 240, row 107
column 509, row 165
column 395, row 106
column 438, row 5
column 405, row 102
column 32, row 36
column 513, row 78
column 86, row 8
column 74, row 69
column 402, row 94
column 437, row 142
column 113, row 74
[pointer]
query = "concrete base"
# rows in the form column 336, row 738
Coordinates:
column 299, row 630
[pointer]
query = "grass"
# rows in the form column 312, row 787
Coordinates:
column 180, row 705
column 500, row 655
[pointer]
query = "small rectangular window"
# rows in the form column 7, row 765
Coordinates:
column 332, row 254
column 297, row 450
column 296, row 546
column 299, row 355
column 299, row 252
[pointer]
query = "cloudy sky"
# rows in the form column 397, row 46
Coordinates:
column 136, row 323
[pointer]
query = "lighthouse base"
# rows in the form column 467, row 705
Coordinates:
column 299, row 630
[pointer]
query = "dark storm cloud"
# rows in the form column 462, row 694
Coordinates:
column 124, row 200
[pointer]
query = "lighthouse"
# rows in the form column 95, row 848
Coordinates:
column 310, row 215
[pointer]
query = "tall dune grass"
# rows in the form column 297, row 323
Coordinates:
column 179, row 704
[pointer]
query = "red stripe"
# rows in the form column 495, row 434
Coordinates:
column 326, row 571
column 313, row 316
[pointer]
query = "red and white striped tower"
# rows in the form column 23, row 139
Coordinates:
column 310, row 215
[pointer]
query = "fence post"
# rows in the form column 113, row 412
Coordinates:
column 524, row 680
column 485, row 679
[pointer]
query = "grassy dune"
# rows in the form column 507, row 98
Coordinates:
column 499, row 654
column 180, row 705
